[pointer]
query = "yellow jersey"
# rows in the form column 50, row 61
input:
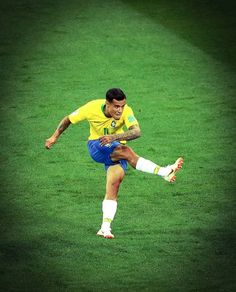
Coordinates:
column 100, row 125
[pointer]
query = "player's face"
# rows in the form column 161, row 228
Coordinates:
column 115, row 108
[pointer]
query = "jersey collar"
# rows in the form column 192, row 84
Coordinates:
column 103, row 110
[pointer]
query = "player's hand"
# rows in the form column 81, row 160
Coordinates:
column 49, row 142
column 106, row 139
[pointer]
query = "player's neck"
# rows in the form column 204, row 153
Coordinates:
column 106, row 113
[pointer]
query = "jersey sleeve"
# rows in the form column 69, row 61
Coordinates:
column 130, row 119
column 79, row 115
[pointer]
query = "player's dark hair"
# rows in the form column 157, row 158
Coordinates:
column 115, row 93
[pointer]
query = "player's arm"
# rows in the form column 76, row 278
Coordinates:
column 132, row 133
column 64, row 124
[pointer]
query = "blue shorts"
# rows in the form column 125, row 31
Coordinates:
column 102, row 154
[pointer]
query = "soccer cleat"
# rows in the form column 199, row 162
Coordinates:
column 105, row 233
column 174, row 168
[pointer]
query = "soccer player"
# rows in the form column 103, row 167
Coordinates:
column 107, row 145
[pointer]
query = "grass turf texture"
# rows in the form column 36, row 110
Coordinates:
column 176, row 62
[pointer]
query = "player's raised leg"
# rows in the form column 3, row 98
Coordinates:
column 115, row 175
column 168, row 172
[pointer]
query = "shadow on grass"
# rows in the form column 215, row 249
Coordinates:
column 209, row 25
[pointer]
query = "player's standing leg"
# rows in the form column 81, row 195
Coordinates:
column 115, row 175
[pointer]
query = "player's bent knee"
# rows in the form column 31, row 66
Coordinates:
column 125, row 152
column 130, row 156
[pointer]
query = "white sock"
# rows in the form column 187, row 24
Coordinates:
column 109, row 208
column 150, row 167
column 146, row 165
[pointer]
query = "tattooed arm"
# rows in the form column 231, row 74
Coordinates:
column 133, row 132
column 64, row 124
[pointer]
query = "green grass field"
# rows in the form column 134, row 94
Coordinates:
column 176, row 63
